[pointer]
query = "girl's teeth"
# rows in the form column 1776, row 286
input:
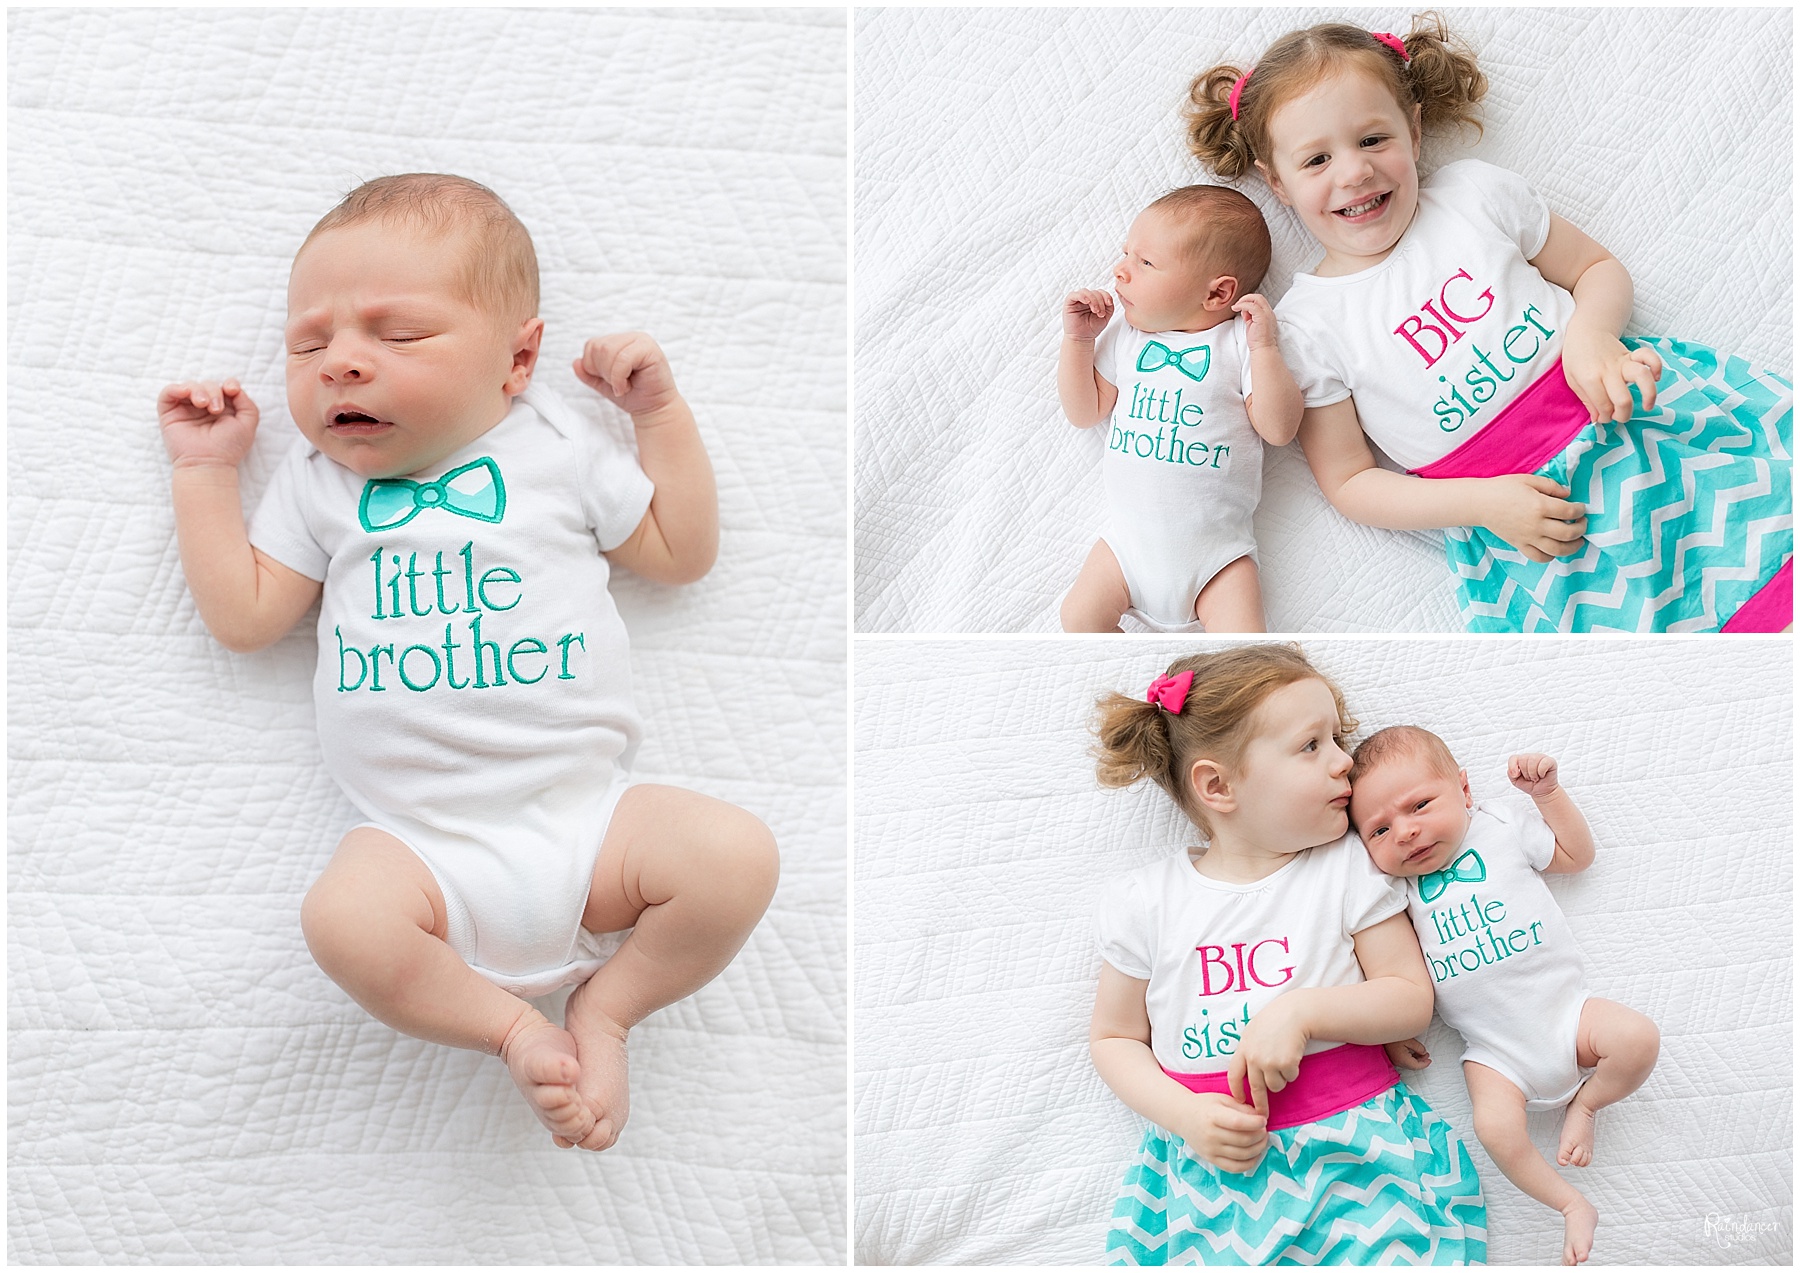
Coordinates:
column 1361, row 208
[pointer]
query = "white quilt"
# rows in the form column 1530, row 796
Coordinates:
column 185, row 1086
column 1001, row 154
column 983, row 1134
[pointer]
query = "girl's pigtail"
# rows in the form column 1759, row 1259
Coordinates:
column 1445, row 77
column 1213, row 135
column 1131, row 742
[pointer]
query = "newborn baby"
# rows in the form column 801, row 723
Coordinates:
column 473, row 687
column 1503, row 962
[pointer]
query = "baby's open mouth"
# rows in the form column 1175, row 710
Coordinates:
column 1363, row 208
column 354, row 417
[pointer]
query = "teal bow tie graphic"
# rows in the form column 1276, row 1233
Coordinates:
column 473, row 490
column 1467, row 869
column 1156, row 355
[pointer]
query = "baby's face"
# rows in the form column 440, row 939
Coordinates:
column 1160, row 289
column 390, row 368
column 1410, row 815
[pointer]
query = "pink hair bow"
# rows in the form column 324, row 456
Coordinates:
column 1170, row 692
column 1394, row 42
column 1237, row 91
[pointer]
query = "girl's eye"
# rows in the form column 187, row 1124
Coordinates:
column 1373, row 141
column 1311, row 745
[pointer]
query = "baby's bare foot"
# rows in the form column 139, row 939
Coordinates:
column 604, row 1083
column 543, row 1061
column 1577, row 1149
column 1579, row 1221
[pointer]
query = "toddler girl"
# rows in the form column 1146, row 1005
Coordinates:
column 1173, row 370
column 1248, row 989
column 1507, row 972
column 1474, row 335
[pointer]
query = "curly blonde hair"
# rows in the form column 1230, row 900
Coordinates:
column 1136, row 739
column 1439, row 75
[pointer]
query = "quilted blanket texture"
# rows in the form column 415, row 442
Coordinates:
column 185, row 1086
column 1002, row 153
column 983, row 1134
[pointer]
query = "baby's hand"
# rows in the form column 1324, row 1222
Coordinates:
column 1601, row 372
column 1409, row 1054
column 1225, row 1133
column 1533, row 514
column 629, row 370
column 1257, row 313
column 1086, row 313
column 204, row 422
column 1533, row 773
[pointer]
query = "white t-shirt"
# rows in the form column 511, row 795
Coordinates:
column 1439, row 337
column 1504, row 964
column 472, row 664
column 1214, row 952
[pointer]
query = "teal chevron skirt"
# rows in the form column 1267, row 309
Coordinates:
column 1385, row 1182
column 1689, row 505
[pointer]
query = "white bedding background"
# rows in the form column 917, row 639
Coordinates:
column 185, row 1086
column 1001, row 154
column 983, row 1134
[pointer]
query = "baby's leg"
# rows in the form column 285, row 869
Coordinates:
column 1099, row 594
column 1232, row 599
column 690, row 876
column 1500, row 1125
column 375, row 923
column 1621, row 1046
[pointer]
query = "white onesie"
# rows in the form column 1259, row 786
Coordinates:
column 1215, row 952
column 1183, row 466
column 1505, row 966
column 473, row 690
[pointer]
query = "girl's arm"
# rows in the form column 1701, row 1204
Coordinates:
column 1394, row 1002
column 1217, row 1129
column 1527, row 511
column 1598, row 368
column 1535, row 774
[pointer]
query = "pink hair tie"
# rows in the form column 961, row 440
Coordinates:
column 1237, row 91
column 1170, row 692
column 1394, row 42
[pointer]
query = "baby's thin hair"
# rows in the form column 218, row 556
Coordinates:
column 1135, row 739
column 1221, row 224
column 500, row 272
column 1440, row 76
column 1397, row 741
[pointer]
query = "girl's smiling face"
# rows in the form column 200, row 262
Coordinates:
column 1344, row 156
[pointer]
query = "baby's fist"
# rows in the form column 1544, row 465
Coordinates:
column 1533, row 773
column 1261, row 319
column 629, row 370
column 206, row 423
column 1409, row 1054
column 1086, row 313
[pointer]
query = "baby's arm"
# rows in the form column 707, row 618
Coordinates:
column 1087, row 396
column 1275, row 403
column 245, row 598
column 678, row 540
column 1535, row 775
column 1392, row 1003
column 1217, row 1129
column 1598, row 368
column 1527, row 511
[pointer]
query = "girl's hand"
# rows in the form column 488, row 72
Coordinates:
column 1534, row 515
column 629, row 370
column 205, row 422
column 1409, row 1054
column 1533, row 773
column 1222, row 1132
column 1086, row 313
column 1268, row 1055
column 1257, row 313
column 1601, row 371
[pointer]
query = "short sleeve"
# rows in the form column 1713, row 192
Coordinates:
column 1504, row 198
column 1369, row 895
column 1109, row 348
column 615, row 490
column 1123, row 926
column 1240, row 335
column 279, row 527
column 1321, row 382
column 1530, row 832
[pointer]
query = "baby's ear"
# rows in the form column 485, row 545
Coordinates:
column 1222, row 292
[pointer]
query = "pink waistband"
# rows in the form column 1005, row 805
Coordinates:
column 1529, row 430
column 1329, row 1083
column 1771, row 609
